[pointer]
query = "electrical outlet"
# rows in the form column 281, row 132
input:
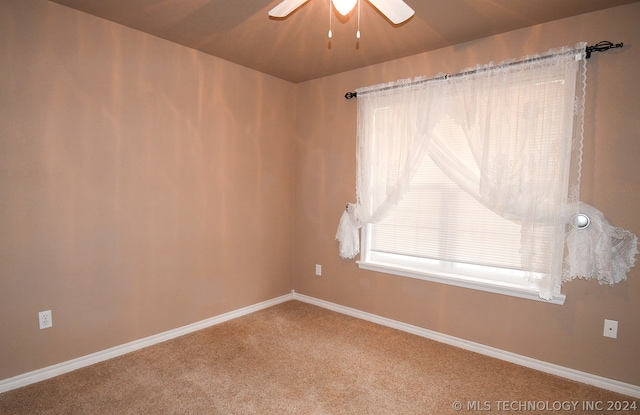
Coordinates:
column 45, row 319
column 318, row 269
column 610, row 329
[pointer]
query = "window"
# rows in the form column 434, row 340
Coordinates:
column 468, row 180
column 441, row 233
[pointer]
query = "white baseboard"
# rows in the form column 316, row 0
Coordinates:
column 64, row 367
column 583, row 377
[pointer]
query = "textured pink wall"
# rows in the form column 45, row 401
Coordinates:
column 568, row 335
column 143, row 185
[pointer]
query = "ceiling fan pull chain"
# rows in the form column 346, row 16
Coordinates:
column 358, row 32
column 330, row 11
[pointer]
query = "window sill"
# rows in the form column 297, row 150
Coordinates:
column 496, row 287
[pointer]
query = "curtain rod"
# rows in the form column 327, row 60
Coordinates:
column 598, row 47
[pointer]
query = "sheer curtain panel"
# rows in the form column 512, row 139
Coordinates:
column 509, row 136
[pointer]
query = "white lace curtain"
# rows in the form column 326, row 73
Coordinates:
column 525, row 168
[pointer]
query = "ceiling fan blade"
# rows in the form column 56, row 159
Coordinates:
column 396, row 10
column 286, row 7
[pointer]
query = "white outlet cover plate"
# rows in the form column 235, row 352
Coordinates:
column 610, row 329
column 45, row 320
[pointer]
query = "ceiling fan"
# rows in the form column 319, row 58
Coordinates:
column 397, row 11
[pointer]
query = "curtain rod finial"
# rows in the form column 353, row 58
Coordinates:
column 601, row 47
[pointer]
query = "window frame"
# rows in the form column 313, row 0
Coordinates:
column 481, row 278
column 475, row 281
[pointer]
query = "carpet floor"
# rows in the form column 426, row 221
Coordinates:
column 296, row 358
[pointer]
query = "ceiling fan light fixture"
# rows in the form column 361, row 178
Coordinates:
column 344, row 7
column 397, row 11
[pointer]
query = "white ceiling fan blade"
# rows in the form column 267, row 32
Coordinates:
column 396, row 10
column 286, row 8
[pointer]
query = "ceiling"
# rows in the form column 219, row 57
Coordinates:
column 298, row 49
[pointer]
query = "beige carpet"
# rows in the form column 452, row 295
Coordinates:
column 295, row 358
